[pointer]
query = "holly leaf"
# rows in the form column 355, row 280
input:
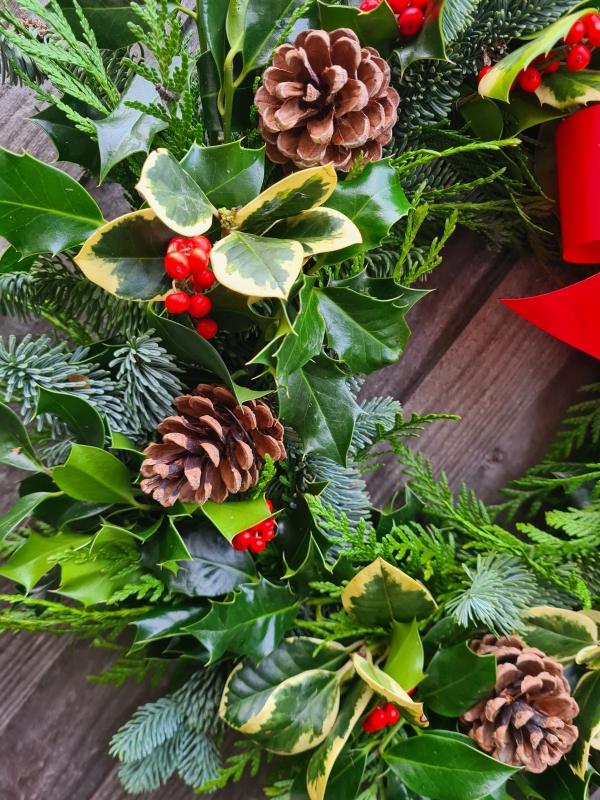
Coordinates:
column 377, row 28
column 525, row 111
column 559, row 782
column 429, row 42
column 236, row 516
column 374, row 202
column 229, row 174
column 301, row 191
column 126, row 130
column 12, row 261
column 447, row 766
column 174, row 195
column 91, row 582
column 38, row 555
column 252, row 623
column 164, row 551
column 16, row 449
column 313, row 568
column 559, row 632
column 322, row 230
column 497, row 83
column 587, row 697
column 564, row 89
column 457, row 679
column 209, row 83
column 387, row 687
column 381, row 593
column 42, row 209
column 107, row 18
column 484, row 117
column 71, row 144
column 306, row 341
column 95, row 476
column 321, row 408
column 213, row 16
column 164, row 622
column 23, row 508
column 82, row 419
column 266, row 23
column 405, row 660
column 325, row 759
column 290, row 699
column 126, row 257
column 257, row 266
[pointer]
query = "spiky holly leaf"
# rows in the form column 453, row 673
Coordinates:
column 387, row 687
column 457, row 679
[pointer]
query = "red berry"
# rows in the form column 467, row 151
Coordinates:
column 398, row 6
column 529, row 79
column 369, row 5
column 269, row 504
column 412, row 691
column 200, row 305
column 258, row 544
column 177, row 302
column 576, row 32
column 411, row 21
column 198, row 260
column 176, row 244
column 377, row 719
column 238, row 543
column 484, row 71
column 202, row 242
column 207, row 328
column 552, row 66
column 176, row 265
column 393, row 715
column 422, row 4
column 592, row 25
column 204, row 279
column 269, row 535
column 578, row 58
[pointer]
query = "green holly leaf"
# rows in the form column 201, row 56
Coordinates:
column 166, row 621
column 126, row 257
column 306, row 341
column 497, row 83
column 559, row 632
column 213, row 16
column 173, row 195
column 558, row 782
column 374, row 202
column 525, row 112
column 322, row 230
column 377, row 28
column 381, row 593
column 71, row 144
column 43, row 210
column 587, row 697
column 405, row 660
column 257, row 266
column 321, row 408
column 429, row 42
column 23, row 508
column 235, row 312
column 564, row 89
column 447, row 766
column 320, row 775
column 209, row 84
column 484, row 117
column 382, row 684
column 313, row 568
column 38, row 555
column 82, row 419
column 95, row 476
column 91, row 583
column 236, row 516
column 127, row 131
column 264, row 25
column 229, row 174
column 164, row 551
column 12, row 261
column 457, row 679
column 299, row 192
column 290, row 699
column 252, row 623
column 16, row 449
column 107, row 18
column 190, row 348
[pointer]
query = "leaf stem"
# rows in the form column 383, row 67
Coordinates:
column 187, row 11
column 229, row 88
column 202, row 40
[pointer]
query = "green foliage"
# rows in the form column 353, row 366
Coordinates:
column 147, row 588
column 250, row 755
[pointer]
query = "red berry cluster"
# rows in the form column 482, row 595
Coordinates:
column 578, row 55
column 187, row 260
column 255, row 539
column 381, row 716
column 410, row 13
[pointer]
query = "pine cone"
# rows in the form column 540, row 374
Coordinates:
column 527, row 718
column 214, row 449
column 324, row 100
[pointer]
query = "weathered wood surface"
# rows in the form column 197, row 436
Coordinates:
column 469, row 355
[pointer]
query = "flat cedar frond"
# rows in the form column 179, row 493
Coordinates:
column 250, row 756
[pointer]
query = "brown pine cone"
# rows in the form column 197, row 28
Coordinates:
column 214, row 449
column 325, row 100
column 527, row 719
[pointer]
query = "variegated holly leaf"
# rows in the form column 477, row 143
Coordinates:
column 299, row 192
column 288, row 701
column 381, row 593
column 324, row 758
column 406, row 657
column 497, row 83
column 565, row 89
column 322, row 230
column 387, row 687
column 587, row 697
column 257, row 266
column 126, row 257
column 173, row 195
column 559, row 632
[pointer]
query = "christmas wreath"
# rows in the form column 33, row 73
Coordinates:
column 195, row 438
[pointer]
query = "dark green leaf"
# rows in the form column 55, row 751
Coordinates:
column 265, row 23
column 525, row 111
column 307, row 340
column 253, row 623
column 61, row 511
column 11, row 261
column 43, row 210
column 165, row 550
column 374, row 202
column 484, row 117
column 321, row 408
column 91, row 583
column 71, row 144
column 15, row 447
column 347, row 775
column 38, row 555
column 457, row 679
column 126, row 131
column 377, row 28
column 213, row 16
column 82, row 419
column 228, row 174
column 95, row 476
column 429, row 42
column 166, row 621
column 209, row 83
column 587, row 697
column 234, row 313
column 108, row 19
column 313, row 568
column 22, row 509
column 559, row 783
column 446, row 767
